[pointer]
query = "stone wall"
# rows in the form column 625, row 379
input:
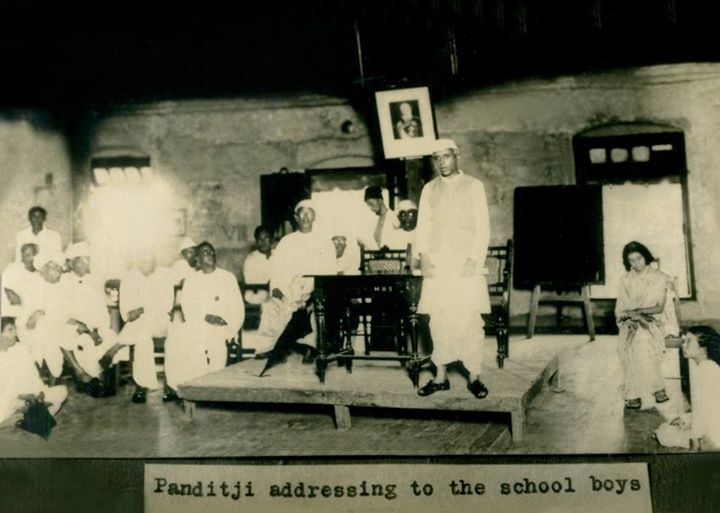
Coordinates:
column 213, row 152
column 35, row 169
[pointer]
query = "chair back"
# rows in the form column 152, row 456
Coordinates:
column 498, row 263
column 386, row 261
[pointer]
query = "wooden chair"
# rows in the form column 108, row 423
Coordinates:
column 252, row 311
column 381, row 329
column 499, row 279
column 386, row 261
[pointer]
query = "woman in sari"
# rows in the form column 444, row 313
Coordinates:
column 639, row 312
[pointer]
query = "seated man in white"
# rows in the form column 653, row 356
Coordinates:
column 298, row 254
column 213, row 313
column 16, row 278
column 45, row 239
column 43, row 323
column 87, row 310
column 19, row 377
column 256, row 267
column 347, row 253
column 380, row 233
column 405, row 233
column 146, row 301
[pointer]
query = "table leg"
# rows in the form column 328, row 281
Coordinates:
column 414, row 366
column 321, row 360
column 189, row 409
column 342, row 417
column 517, row 425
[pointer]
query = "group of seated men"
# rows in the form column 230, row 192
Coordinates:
column 55, row 311
column 55, row 308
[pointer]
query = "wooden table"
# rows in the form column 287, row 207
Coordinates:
column 333, row 299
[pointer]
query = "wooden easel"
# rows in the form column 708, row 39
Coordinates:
column 559, row 299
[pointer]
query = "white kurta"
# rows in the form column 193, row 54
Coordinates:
column 154, row 294
column 87, row 304
column 390, row 225
column 196, row 347
column 46, row 240
column 349, row 262
column 256, row 271
column 297, row 255
column 179, row 271
column 705, row 385
column 17, row 278
column 399, row 239
column 453, row 226
column 19, row 376
column 51, row 333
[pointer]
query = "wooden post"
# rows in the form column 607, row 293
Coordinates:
column 587, row 311
column 189, row 409
column 342, row 417
column 414, row 176
column 534, row 303
column 584, row 299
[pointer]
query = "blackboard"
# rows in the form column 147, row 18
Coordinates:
column 558, row 232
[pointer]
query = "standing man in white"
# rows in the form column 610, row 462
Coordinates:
column 46, row 240
column 452, row 237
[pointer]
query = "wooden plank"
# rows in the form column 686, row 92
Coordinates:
column 534, row 303
column 379, row 384
column 342, row 417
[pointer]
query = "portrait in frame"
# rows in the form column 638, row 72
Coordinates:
column 406, row 121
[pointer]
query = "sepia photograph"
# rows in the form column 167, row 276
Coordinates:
column 406, row 122
column 393, row 231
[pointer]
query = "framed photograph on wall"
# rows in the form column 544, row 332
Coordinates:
column 406, row 122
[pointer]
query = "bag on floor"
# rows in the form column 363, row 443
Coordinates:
column 37, row 418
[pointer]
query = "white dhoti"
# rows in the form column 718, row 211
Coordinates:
column 47, row 340
column 88, row 355
column 19, row 376
column 185, row 355
column 458, row 338
column 140, row 333
column 193, row 349
column 456, row 304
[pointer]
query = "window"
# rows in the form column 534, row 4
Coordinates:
column 644, row 184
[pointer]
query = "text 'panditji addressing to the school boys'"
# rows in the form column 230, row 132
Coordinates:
column 620, row 488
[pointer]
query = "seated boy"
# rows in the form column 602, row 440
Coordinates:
column 19, row 376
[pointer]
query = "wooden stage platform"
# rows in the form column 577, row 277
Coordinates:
column 375, row 384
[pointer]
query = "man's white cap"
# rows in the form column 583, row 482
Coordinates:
column 306, row 203
column 47, row 256
column 79, row 249
column 187, row 243
column 406, row 204
column 444, row 144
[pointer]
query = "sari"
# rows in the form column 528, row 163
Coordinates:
column 642, row 339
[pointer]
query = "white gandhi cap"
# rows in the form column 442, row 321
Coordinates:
column 306, row 203
column 444, row 144
column 406, row 204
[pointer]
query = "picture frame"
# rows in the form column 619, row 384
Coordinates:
column 407, row 124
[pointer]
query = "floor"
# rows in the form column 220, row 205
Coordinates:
column 587, row 418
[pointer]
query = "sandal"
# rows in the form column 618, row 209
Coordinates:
column 661, row 396
column 633, row 404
